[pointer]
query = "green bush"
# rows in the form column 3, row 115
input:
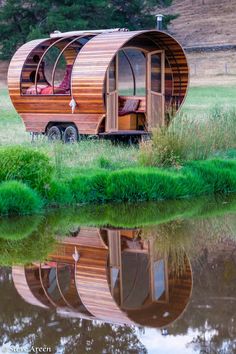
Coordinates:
column 18, row 199
column 58, row 193
column 105, row 163
column 26, row 165
column 164, row 149
column 188, row 138
column 196, row 178
column 88, row 189
column 218, row 175
column 150, row 184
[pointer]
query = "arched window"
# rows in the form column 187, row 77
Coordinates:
column 125, row 75
column 48, row 68
column 132, row 72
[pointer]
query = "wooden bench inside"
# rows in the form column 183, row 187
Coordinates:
column 134, row 120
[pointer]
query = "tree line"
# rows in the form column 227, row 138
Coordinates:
column 21, row 20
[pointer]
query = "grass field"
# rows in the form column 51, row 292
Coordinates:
column 94, row 154
column 199, row 101
column 202, row 99
column 95, row 171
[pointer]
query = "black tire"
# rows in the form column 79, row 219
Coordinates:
column 70, row 135
column 54, row 133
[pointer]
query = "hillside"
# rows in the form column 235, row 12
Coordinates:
column 203, row 21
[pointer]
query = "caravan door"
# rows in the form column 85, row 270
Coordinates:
column 112, row 97
column 156, row 89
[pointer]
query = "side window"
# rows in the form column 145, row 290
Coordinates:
column 48, row 68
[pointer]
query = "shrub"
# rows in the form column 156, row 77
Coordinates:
column 26, row 165
column 164, row 149
column 150, row 184
column 88, row 189
column 190, row 139
column 218, row 175
column 105, row 163
column 18, row 199
column 58, row 193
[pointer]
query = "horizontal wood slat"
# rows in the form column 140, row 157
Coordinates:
column 86, row 123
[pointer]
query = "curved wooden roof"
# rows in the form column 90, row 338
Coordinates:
column 92, row 62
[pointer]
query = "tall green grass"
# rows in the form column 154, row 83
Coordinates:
column 196, row 178
column 190, row 139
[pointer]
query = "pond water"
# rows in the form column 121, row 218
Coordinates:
column 147, row 278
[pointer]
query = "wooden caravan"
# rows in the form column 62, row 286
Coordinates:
column 108, row 275
column 98, row 82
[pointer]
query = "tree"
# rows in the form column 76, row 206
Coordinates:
column 22, row 20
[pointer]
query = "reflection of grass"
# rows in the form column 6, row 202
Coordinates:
column 18, row 227
column 177, row 238
column 139, row 215
column 28, row 250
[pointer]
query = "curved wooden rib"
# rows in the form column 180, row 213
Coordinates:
column 88, row 85
column 93, row 288
column 16, row 66
column 41, row 59
column 58, row 58
column 23, row 288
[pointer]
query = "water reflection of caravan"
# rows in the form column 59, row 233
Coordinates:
column 98, row 82
column 108, row 275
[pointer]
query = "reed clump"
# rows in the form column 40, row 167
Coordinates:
column 189, row 139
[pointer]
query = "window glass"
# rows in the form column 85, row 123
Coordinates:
column 125, row 76
column 156, row 73
column 159, row 279
column 138, row 61
column 49, row 61
column 112, row 76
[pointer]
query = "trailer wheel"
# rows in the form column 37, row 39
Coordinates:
column 54, row 133
column 70, row 135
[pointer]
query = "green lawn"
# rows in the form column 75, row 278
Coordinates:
column 202, row 99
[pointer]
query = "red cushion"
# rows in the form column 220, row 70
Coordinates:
column 48, row 90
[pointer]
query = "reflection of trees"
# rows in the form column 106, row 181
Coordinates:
column 22, row 323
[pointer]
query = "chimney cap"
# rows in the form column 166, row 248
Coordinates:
column 159, row 17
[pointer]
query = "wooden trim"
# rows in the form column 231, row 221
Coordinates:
column 57, row 60
column 149, row 90
column 109, row 94
column 59, row 287
column 43, row 287
column 41, row 59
